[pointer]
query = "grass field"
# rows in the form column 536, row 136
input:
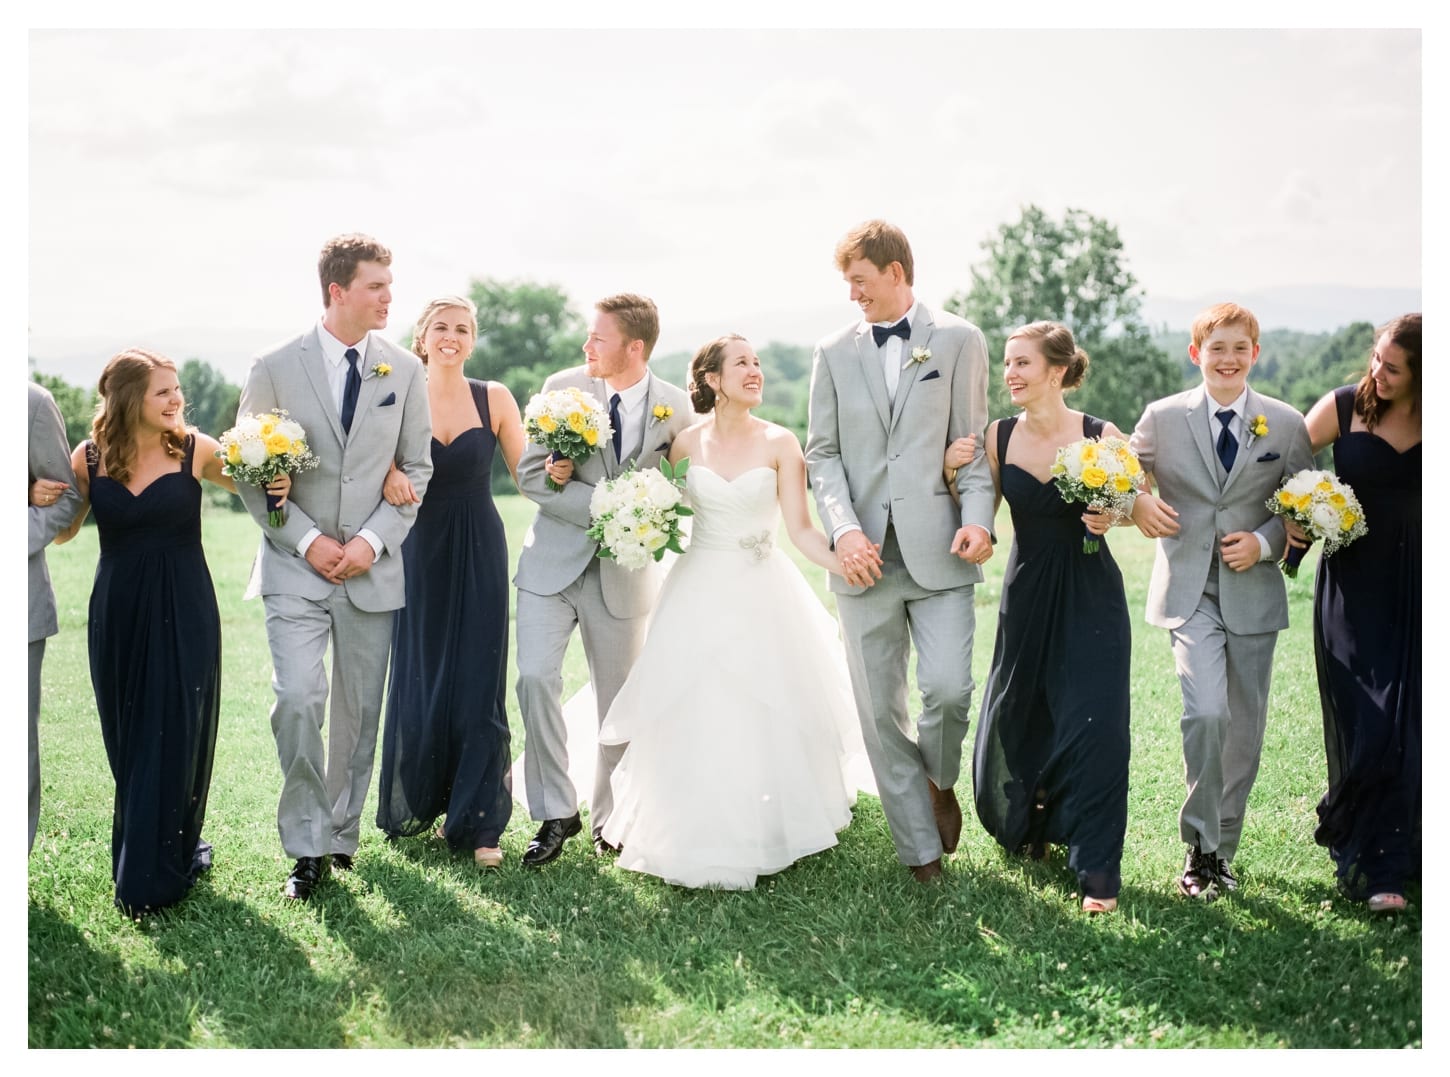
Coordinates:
column 417, row 948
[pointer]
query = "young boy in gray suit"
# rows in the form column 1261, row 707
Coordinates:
column 1217, row 453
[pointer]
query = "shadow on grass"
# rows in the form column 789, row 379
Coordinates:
column 207, row 968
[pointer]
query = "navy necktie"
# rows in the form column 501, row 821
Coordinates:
column 614, row 422
column 350, row 389
column 882, row 333
column 1228, row 445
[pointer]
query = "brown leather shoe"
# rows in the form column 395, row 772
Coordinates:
column 926, row 873
column 948, row 815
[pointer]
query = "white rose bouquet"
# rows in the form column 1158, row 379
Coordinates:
column 261, row 447
column 567, row 422
column 1324, row 506
column 1101, row 473
column 636, row 516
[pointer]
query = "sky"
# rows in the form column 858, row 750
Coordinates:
column 181, row 182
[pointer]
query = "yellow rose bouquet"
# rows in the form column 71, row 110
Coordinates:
column 1324, row 506
column 261, row 447
column 1101, row 473
column 568, row 422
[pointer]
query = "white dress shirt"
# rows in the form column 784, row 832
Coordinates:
column 631, row 415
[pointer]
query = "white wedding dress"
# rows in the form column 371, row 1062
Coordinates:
column 745, row 752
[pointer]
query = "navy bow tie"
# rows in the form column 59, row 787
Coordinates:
column 882, row 333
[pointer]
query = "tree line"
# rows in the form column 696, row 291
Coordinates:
column 1071, row 269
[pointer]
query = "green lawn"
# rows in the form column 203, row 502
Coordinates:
column 417, row 948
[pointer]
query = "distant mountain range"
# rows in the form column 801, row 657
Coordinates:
column 1307, row 308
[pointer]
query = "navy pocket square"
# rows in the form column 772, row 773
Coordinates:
column 388, row 401
column 1267, row 457
column 933, row 374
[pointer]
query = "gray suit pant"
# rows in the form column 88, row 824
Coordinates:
column 879, row 625
column 1225, row 681
column 544, row 624
column 37, row 655
column 323, row 793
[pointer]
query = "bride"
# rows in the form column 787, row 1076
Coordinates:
column 744, row 753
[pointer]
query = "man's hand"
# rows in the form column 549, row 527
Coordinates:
column 860, row 560
column 357, row 558
column 560, row 470
column 1155, row 518
column 972, row 543
column 1240, row 550
column 324, row 555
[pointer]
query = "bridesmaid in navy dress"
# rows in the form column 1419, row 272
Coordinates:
column 154, row 634
column 446, row 733
column 1367, row 601
column 1050, row 765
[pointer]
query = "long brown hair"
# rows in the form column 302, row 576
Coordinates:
column 1404, row 332
column 122, row 390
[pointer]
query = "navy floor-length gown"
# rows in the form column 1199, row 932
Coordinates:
column 1367, row 649
column 446, row 733
column 1050, row 764
column 154, row 638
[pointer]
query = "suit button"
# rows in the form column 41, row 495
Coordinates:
column 347, row 478
column 1223, row 508
column 886, row 505
column 1208, row 545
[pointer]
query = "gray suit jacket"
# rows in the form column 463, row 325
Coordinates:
column 871, row 460
column 557, row 548
column 344, row 493
column 49, row 459
column 1175, row 443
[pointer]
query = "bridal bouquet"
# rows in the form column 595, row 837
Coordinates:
column 567, row 422
column 1324, row 506
column 261, row 447
column 1101, row 473
column 636, row 516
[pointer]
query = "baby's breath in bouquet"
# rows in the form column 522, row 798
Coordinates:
column 1324, row 506
column 1101, row 473
column 261, row 447
column 636, row 516
column 567, row 422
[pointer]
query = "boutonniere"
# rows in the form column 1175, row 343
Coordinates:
column 920, row 355
column 379, row 370
column 1259, row 427
column 661, row 412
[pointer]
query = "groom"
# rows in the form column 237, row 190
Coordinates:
column 562, row 583
column 888, row 393
column 333, row 569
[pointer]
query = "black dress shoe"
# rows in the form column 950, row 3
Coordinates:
column 306, row 875
column 341, row 862
column 548, row 843
column 604, row 848
column 1225, row 877
column 1199, row 877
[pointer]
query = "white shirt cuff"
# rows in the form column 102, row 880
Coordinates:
column 842, row 530
column 307, row 540
column 377, row 543
column 1265, row 554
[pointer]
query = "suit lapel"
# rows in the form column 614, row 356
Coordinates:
column 875, row 378
column 1197, row 418
column 314, row 365
column 601, row 392
column 920, row 337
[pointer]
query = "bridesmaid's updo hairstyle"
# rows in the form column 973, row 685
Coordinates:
column 1404, row 333
column 443, row 302
column 119, row 396
column 708, row 360
column 1059, row 349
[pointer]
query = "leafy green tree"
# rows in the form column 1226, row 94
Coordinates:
column 1072, row 271
column 526, row 331
column 77, row 406
column 211, row 400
